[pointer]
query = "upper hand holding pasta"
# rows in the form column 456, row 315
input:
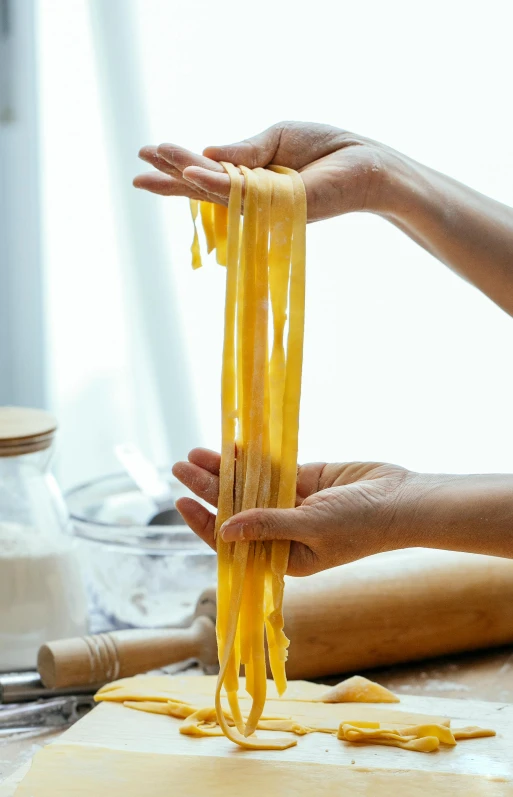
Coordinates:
column 342, row 172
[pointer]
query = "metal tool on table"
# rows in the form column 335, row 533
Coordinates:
column 26, row 705
column 26, row 687
column 146, row 476
column 57, row 712
column 398, row 607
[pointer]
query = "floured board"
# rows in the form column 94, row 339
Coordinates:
column 117, row 752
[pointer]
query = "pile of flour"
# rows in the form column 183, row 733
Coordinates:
column 41, row 594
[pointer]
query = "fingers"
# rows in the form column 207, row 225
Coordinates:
column 201, row 176
column 270, row 524
column 165, row 185
column 303, row 561
column 207, row 180
column 257, row 151
column 150, row 155
column 198, row 518
column 205, row 458
column 171, row 161
column 197, row 474
column 180, row 158
column 200, row 474
column 308, row 477
column 202, row 483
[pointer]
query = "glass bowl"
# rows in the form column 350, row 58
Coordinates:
column 138, row 576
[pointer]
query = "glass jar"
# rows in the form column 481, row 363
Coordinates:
column 42, row 596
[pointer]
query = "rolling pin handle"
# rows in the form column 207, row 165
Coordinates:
column 120, row 654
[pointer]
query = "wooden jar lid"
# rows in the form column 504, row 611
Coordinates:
column 23, row 430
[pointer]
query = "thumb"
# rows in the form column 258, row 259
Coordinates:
column 253, row 152
column 269, row 524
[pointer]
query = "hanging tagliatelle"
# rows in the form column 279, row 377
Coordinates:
column 260, row 394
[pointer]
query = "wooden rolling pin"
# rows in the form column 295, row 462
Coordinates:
column 396, row 607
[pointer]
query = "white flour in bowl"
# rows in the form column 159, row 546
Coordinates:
column 41, row 594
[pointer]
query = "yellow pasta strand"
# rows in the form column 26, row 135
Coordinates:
column 246, row 616
column 207, row 222
column 254, row 317
column 258, row 650
column 220, row 230
column 233, row 581
column 195, row 247
column 292, row 393
column 279, row 276
column 228, row 408
column 260, row 387
column 279, row 273
column 257, row 470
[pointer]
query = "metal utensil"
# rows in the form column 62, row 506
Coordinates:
column 146, row 476
column 54, row 713
column 23, row 687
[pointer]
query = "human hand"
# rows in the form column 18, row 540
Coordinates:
column 342, row 172
column 343, row 511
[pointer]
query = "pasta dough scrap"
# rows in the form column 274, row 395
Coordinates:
column 362, row 723
column 304, row 705
column 472, row 732
column 153, row 707
column 358, row 690
column 165, row 687
column 203, row 722
column 402, row 737
column 442, row 733
column 426, row 744
column 389, row 737
column 423, row 738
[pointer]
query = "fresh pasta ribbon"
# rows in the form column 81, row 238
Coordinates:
column 195, row 247
column 199, row 721
column 220, row 232
column 260, row 394
column 207, row 222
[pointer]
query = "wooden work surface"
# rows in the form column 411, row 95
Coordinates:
column 117, row 752
column 487, row 676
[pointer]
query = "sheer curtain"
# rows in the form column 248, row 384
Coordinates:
column 404, row 361
column 23, row 349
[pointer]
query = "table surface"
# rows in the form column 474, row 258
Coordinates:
column 485, row 675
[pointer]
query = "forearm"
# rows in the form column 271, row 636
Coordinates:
column 462, row 513
column 466, row 230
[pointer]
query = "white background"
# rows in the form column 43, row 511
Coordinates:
column 404, row 361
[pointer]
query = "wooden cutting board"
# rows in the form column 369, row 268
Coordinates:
column 118, row 752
